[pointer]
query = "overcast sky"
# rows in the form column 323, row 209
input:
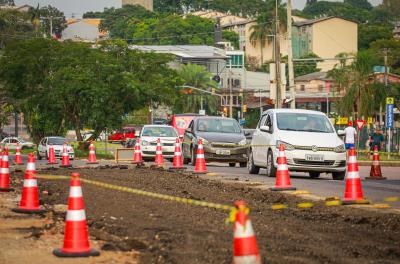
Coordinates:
column 78, row 7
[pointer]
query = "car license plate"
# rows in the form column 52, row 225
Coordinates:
column 314, row 157
column 223, row 152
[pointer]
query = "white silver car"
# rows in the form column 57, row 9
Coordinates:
column 11, row 143
column 149, row 136
column 58, row 145
column 311, row 143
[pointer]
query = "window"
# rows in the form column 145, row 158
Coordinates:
column 302, row 87
column 262, row 121
column 235, row 61
column 320, row 88
column 225, row 101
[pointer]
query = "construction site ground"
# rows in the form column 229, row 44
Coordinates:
column 129, row 228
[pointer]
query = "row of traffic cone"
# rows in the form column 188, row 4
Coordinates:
column 200, row 166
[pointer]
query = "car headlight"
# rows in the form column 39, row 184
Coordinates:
column 242, row 142
column 340, row 149
column 286, row 145
column 145, row 143
column 205, row 141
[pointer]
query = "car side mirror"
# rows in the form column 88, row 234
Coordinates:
column 265, row 128
column 247, row 134
column 188, row 131
column 341, row 132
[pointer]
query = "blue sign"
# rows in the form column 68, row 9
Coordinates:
column 389, row 116
column 242, row 122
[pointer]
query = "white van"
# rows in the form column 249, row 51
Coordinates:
column 311, row 143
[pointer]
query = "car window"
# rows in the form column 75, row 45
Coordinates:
column 191, row 125
column 304, row 122
column 268, row 122
column 56, row 141
column 218, row 125
column 159, row 132
column 262, row 121
column 13, row 141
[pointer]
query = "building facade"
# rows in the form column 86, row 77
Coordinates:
column 86, row 30
column 148, row 4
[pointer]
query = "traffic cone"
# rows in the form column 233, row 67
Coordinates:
column 18, row 159
column 29, row 203
column 200, row 166
column 65, row 163
column 137, row 155
column 177, row 162
column 159, row 160
column 92, row 154
column 282, row 182
column 5, row 173
column 353, row 192
column 375, row 172
column 52, row 157
column 76, row 237
column 245, row 249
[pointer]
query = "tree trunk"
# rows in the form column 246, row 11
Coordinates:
column 261, row 53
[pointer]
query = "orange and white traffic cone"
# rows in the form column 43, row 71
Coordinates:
column 177, row 162
column 5, row 173
column 65, row 162
column 282, row 182
column 353, row 193
column 200, row 166
column 51, row 160
column 29, row 203
column 375, row 172
column 76, row 236
column 92, row 154
column 245, row 249
column 137, row 155
column 159, row 160
column 18, row 158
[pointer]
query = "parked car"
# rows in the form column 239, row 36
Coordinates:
column 58, row 144
column 182, row 121
column 223, row 140
column 310, row 141
column 249, row 134
column 149, row 136
column 122, row 135
column 11, row 143
column 160, row 121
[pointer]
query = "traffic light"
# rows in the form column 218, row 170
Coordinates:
column 226, row 111
column 244, row 108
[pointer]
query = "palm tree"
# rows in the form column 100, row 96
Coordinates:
column 259, row 33
column 196, row 76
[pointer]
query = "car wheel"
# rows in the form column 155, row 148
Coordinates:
column 271, row 170
column 253, row 169
column 193, row 156
column 38, row 157
column 232, row 164
column 314, row 174
column 243, row 164
column 338, row 176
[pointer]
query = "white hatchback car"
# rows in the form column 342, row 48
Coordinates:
column 11, row 143
column 149, row 136
column 58, row 145
column 311, row 143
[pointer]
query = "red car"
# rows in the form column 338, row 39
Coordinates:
column 123, row 134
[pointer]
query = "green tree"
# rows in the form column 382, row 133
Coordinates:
column 46, row 14
column 14, row 25
column 72, row 85
column 362, row 4
column 368, row 33
column 196, row 76
column 306, row 67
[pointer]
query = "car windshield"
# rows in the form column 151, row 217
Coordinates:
column 21, row 140
column 218, row 126
column 304, row 122
column 56, row 141
column 159, row 132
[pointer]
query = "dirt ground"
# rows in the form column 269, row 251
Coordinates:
column 169, row 232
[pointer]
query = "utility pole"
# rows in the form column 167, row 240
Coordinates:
column 278, row 103
column 385, row 59
column 50, row 18
column 290, row 54
column 230, row 95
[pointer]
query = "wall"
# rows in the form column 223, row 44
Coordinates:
column 148, row 4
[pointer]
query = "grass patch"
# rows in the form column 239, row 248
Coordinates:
column 23, row 151
column 101, row 153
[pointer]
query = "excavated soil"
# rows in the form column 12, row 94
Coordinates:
column 171, row 232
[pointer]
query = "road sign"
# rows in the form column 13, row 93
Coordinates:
column 360, row 124
column 389, row 100
column 389, row 116
column 370, row 121
column 242, row 122
column 342, row 121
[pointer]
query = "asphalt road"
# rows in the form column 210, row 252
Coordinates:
column 324, row 186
